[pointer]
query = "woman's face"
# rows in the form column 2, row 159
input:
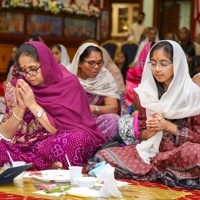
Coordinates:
column 86, row 69
column 169, row 36
column 120, row 60
column 162, row 72
column 152, row 35
column 13, row 52
column 197, row 38
column 183, row 34
column 57, row 54
column 27, row 64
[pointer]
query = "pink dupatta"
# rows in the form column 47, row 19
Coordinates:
column 63, row 97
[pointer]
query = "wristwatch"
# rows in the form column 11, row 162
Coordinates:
column 40, row 113
column 97, row 109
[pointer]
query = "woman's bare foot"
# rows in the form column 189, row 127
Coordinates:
column 56, row 165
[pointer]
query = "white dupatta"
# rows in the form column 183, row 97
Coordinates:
column 65, row 60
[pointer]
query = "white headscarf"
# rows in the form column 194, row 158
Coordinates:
column 182, row 98
column 64, row 57
column 103, row 84
column 114, row 70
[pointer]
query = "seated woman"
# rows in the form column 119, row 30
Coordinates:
column 122, row 63
column 152, row 36
column 169, row 124
column 117, row 75
column 12, row 71
column 186, row 43
column 171, row 36
column 100, row 87
column 114, row 70
column 134, row 75
column 61, row 55
column 47, row 114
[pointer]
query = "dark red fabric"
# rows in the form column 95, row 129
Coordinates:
column 1, row 89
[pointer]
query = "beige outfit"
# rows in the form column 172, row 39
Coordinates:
column 136, row 31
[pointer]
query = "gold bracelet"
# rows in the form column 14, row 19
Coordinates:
column 16, row 116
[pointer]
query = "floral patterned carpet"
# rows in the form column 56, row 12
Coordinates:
column 139, row 190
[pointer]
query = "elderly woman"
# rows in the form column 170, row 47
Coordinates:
column 47, row 116
column 100, row 87
column 169, row 124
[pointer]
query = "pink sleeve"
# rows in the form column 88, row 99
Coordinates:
column 51, row 120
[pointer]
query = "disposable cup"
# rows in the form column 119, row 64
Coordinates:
column 75, row 172
column 17, row 164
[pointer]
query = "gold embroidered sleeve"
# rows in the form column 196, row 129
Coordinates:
column 10, row 100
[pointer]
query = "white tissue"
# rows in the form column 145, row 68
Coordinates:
column 109, row 188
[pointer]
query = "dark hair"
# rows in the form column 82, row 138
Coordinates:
column 187, row 32
column 57, row 46
column 26, row 50
column 168, row 51
column 166, row 46
column 194, row 64
column 152, row 43
column 15, row 45
column 87, row 52
column 152, row 28
column 173, row 35
column 34, row 37
column 141, row 13
column 125, row 66
column 196, row 61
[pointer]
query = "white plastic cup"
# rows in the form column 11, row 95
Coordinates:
column 75, row 172
column 17, row 164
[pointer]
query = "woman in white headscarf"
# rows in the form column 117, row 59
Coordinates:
column 61, row 55
column 152, row 36
column 169, row 124
column 114, row 70
column 100, row 87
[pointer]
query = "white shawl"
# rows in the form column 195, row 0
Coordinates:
column 103, row 84
column 182, row 99
column 64, row 57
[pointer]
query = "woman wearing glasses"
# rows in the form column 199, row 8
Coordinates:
column 169, row 124
column 47, row 114
column 100, row 87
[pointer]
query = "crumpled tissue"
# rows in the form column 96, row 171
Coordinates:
column 109, row 188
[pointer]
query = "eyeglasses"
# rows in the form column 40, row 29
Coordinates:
column 32, row 72
column 92, row 64
column 163, row 64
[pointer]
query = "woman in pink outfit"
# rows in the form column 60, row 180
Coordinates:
column 134, row 75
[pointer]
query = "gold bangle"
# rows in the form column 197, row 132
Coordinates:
column 16, row 116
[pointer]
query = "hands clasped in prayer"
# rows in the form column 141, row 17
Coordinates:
column 156, row 123
column 24, row 95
